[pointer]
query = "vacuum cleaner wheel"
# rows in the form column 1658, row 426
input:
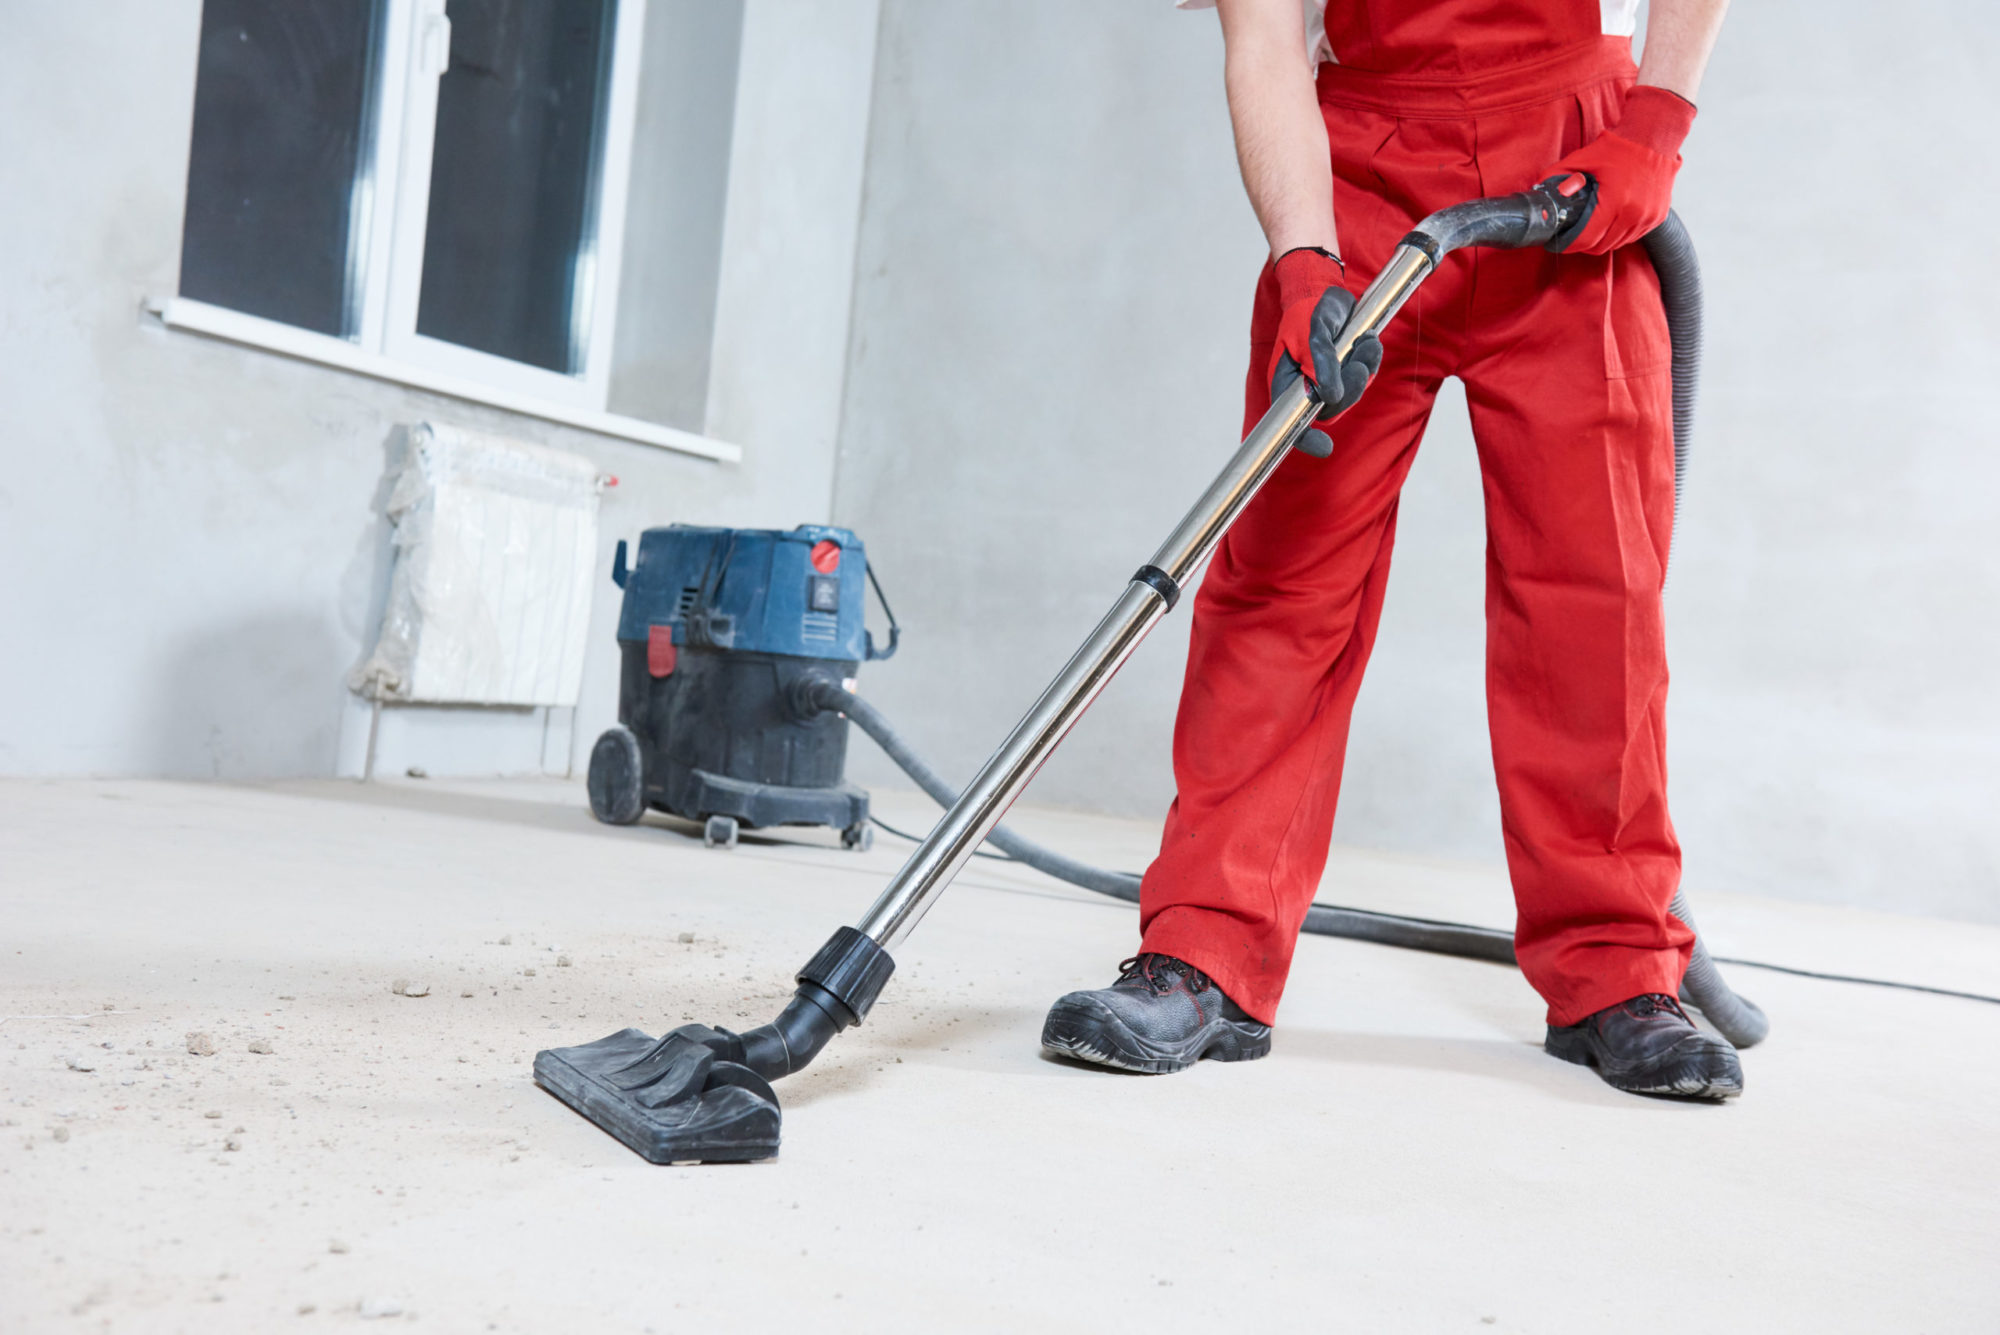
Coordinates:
column 617, row 777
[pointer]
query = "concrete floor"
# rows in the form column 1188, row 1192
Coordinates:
column 1406, row 1160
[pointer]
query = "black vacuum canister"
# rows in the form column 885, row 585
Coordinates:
column 718, row 628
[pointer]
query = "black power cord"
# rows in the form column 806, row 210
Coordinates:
column 1719, row 959
column 887, row 828
column 1851, row 978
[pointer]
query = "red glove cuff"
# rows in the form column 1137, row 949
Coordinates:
column 1304, row 274
column 1655, row 118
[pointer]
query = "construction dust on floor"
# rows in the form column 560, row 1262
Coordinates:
column 266, row 1067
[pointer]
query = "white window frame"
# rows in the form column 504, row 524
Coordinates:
column 390, row 212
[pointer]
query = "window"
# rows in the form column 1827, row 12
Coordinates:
column 432, row 186
column 512, row 226
column 281, row 128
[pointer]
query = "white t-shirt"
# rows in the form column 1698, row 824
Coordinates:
column 1621, row 19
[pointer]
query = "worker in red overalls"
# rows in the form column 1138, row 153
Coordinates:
column 1353, row 121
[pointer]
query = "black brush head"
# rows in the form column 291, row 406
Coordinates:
column 684, row 1098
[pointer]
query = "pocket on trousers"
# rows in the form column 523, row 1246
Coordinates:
column 1636, row 342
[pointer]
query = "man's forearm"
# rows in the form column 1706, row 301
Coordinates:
column 1679, row 36
column 1280, row 138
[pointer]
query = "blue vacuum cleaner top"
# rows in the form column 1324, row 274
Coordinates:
column 768, row 591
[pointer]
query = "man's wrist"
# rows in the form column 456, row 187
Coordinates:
column 1303, row 272
column 1317, row 250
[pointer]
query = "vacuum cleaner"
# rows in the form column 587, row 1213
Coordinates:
column 719, row 632
column 702, row 1094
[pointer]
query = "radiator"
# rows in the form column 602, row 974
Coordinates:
column 489, row 600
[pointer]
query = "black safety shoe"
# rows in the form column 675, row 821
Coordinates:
column 1161, row 1015
column 1649, row 1046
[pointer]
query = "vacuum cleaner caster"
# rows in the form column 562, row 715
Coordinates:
column 719, row 832
column 860, row 837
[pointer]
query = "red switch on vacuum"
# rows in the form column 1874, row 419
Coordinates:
column 826, row 556
column 660, row 652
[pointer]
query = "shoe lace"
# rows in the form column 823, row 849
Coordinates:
column 1159, row 971
column 1657, row 1001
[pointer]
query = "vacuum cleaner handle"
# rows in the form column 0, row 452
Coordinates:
column 1532, row 217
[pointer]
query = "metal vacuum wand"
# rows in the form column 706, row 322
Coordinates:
column 702, row 1093
column 1151, row 595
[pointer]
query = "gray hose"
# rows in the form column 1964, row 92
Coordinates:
column 1441, row 938
column 1671, row 250
column 827, row 694
column 1738, row 1020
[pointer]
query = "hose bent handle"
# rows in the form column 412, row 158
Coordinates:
column 1533, row 217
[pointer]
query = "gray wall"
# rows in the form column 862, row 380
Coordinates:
column 1048, row 352
column 1049, row 319
column 1837, row 613
column 190, row 529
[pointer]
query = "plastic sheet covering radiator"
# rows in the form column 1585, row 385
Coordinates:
column 489, row 603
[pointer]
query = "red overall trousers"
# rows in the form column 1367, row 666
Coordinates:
column 1564, row 359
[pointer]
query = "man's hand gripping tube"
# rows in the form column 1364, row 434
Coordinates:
column 1508, row 222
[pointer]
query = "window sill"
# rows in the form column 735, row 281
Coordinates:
column 196, row 317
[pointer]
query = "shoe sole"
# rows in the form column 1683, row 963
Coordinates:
column 1086, row 1032
column 1694, row 1068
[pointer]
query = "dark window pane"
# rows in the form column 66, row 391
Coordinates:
column 512, row 223
column 281, row 130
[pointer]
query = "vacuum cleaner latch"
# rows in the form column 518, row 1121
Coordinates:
column 895, row 631
column 715, row 630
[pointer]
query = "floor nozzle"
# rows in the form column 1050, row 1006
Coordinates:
column 701, row 1094
column 688, row 1097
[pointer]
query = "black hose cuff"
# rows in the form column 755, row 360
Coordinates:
column 851, row 969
